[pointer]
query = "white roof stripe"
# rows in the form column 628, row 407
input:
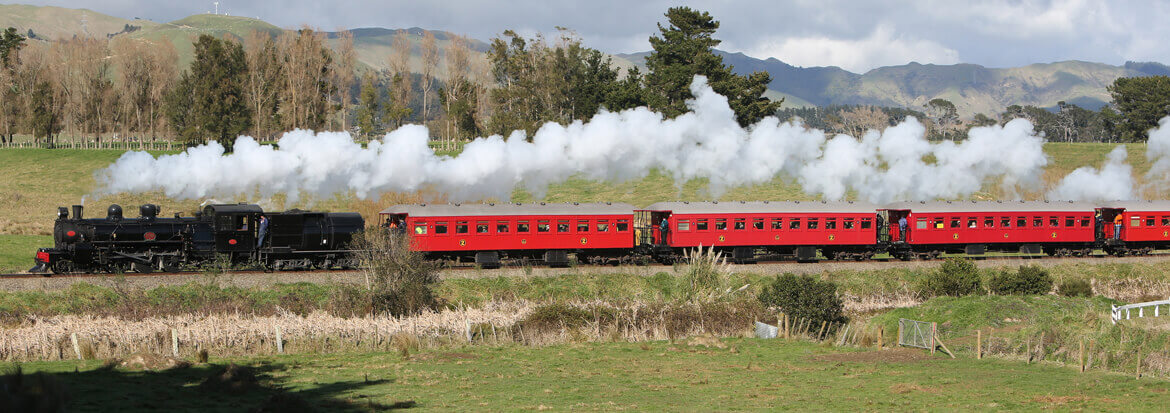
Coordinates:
column 993, row 206
column 455, row 210
column 763, row 207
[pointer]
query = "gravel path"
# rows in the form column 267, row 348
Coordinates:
column 261, row 279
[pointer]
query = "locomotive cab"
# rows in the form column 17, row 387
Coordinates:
column 235, row 227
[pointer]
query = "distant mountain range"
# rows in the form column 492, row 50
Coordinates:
column 972, row 88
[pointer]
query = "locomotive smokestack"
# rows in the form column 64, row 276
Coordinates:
column 77, row 209
column 62, row 213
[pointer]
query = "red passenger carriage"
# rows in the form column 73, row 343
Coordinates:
column 1145, row 226
column 749, row 229
column 489, row 233
column 1033, row 227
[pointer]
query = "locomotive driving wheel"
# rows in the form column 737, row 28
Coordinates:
column 62, row 267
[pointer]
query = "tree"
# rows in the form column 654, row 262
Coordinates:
column 398, row 63
column 264, row 83
column 44, row 121
column 686, row 49
column 304, row 102
column 430, row 64
column 1141, row 102
column 856, row 121
column 10, row 44
column 344, row 74
column 944, row 115
column 458, row 94
column 209, row 101
column 369, row 106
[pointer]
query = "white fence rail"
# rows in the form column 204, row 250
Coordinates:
column 1126, row 311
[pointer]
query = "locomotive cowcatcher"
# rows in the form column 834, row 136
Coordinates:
column 293, row 239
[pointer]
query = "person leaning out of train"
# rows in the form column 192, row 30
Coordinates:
column 664, row 228
column 263, row 231
column 902, row 226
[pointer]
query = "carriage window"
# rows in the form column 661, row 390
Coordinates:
column 1021, row 222
column 938, row 223
column 954, row 222
column 1084, row 222
column 1150, row 221
column 794, row 224
column 1165, row 221
column 720, row 224
column 847, row 223
column 1070, row 222
column 502, row 227
column 972, row 223
column 1135, row 221
column 522, row 226
column 582, row 226
column 922, row 223
column 740, row 224
column 988, row 222
column 1054, row 222
column 460, row 227
column 758, row 223
column 481, row 228
column 830, row 223
column 701, row 225
column 420, row 229
column 602, row 226
column 1005, row 222
column 542, row 226
column 623, row 226
column 777, row 224
column 1037, row 222
column 562, row 226
column 812, row 223
column 684, row 226
column 441, row 228
column 866, row 223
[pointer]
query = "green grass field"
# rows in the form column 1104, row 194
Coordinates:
column 16, row 251
column 747, row 374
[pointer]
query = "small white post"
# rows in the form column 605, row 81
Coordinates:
column 279, row 341
column 175, row 342
column 76, row 348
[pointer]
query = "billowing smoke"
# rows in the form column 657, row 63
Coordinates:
column 1114, row 181
column 613, row 146
column 1158, row 153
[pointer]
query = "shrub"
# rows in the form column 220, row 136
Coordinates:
column 804, row 297
column 401, row 280
column 705, row 277
column 556, row 315
column 1075, row 288
column 955, row 277
column 1029, row 280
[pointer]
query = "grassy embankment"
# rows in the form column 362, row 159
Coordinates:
column 746, row 373
column 39, row 180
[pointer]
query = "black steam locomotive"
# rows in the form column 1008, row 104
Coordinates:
column 293, row 239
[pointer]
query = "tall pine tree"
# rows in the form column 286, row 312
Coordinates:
column 685, row 49
column 209, row 103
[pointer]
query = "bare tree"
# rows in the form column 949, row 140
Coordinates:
column 858, row 120
column 398, row 64
column 430, row 64
column 85, row 72
column 264, row 81
column 304, row 101
column 344, row 76
column 456, row 76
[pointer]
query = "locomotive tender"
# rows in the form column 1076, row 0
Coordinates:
column 293, row 239
column 747, row 231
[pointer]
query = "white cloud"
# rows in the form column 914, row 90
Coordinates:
column 883, row 47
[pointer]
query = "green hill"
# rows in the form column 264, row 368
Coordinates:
column 51, row 23
column 182, row 33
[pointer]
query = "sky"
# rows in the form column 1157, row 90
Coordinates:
column 855, row 35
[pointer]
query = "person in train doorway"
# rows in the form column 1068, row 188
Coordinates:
column 263, row 231
column 902, row 224
column 1099, row 226
column 663, row 229
column 1117, row 220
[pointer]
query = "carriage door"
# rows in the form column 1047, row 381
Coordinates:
column 1103, row 228
column 235, row 232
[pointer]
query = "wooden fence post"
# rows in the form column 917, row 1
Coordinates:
column 279, row 341
column 898, row 339
column 881, row 337
column 822, row 331
column 933, row 332
column 979, row 344
column 1081, row 355
column 175, row 342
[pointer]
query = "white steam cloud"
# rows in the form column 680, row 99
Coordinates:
column 1114, row 181
column 613, row 146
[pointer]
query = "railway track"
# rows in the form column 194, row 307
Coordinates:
column 845, row 263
